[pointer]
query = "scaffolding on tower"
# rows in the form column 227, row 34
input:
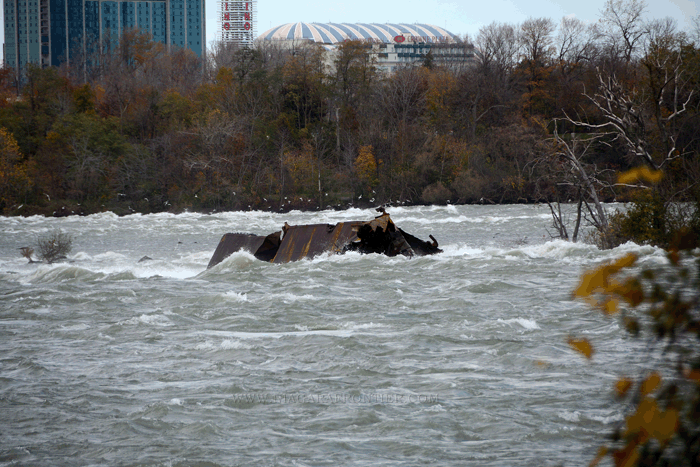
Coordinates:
column 238, row 22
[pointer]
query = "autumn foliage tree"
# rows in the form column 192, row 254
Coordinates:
column 14, row 172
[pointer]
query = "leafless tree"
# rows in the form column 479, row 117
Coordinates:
column 660, row 32
column 535, row 37
column 625, row 113
column 622, row 26
column 568, row 174
column 488, row 84
column 498, row 48
column 220, row 55
column 575, row 43
column 215, row 137
column 54, row 246
column 27, row 252
column 402, row 96
column 695, row 31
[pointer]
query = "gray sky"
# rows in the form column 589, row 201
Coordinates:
column 457, row 16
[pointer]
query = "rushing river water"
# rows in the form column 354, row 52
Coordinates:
column 454, row 359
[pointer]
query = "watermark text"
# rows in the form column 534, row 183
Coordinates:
column 333, row 398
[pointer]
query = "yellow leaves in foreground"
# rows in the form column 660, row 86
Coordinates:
column 600, row 281
column 650, row 384
column 638, row 174
column 582, row 346
column 649, row 421
column 605, row 290
column 602, row 290
column 622, row 386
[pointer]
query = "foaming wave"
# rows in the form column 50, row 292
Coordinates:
column 575, row 252
column 347, row 257
column 115, row 266
column 607, row 419
column 559, row 249
column 236, row 296
column 450, row 208
column 82, row 256
column 236, row 262
column 352, row 326
column 106, row 257
column 574, row 416
column 265, row 222
column 459, row 250
column 74, row 328
column 120, row 276
column 225, row 344
column 102, row 216
column 643, row 250
column 529, row 324
column 228, row 344
column 63, row 273
column 289, row 297
column 434, row 408
column 167, row 270
column 155, row 319
column 555, row 249
column 432, row 221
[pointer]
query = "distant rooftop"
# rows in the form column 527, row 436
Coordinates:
column 333, row 33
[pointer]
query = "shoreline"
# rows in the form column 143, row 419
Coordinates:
column 69, row 210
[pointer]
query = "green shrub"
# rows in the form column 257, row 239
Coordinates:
column 649, row 220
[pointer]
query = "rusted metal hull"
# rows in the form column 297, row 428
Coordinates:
column 262, row 247
column 295, row 242
column 307, row 241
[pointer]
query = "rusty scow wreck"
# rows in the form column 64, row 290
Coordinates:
column 295, row 242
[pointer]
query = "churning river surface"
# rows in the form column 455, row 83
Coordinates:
column 455, row 359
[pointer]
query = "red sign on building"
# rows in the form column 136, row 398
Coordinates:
column 237, row 20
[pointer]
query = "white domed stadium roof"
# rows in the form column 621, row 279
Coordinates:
column 333, row 33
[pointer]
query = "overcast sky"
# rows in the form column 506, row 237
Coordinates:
column 457, row 16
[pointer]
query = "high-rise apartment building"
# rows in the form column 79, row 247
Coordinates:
column 49, row 32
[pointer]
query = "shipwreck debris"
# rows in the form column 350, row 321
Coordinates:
column 295, row 242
